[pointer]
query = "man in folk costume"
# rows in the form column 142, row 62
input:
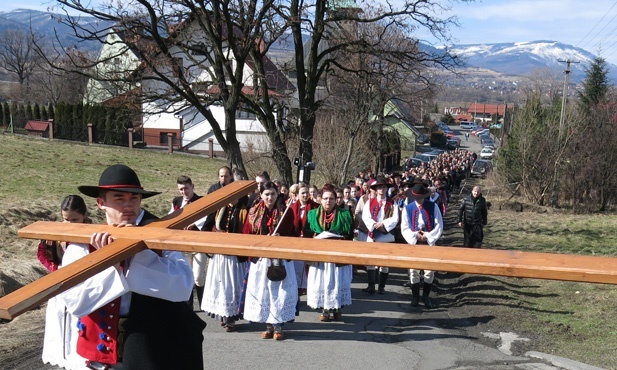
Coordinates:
column 186, row 188
column 133, row 315
column 421, row 223
column 380, row 215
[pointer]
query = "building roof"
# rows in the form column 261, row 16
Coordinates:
column 37, row 126
column 487, row 108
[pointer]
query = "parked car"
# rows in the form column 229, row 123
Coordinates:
column 437, row 151
column 487, row 153
column 454, row 143
column 480, row 131
column 466, row 125
column 481, row 167
column 423, row 139
column 412, row 162
column 426, row 157
column 487, row 141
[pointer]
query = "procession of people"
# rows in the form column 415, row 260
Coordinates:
column 403, row 208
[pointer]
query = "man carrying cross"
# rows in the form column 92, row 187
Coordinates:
column 135, row 313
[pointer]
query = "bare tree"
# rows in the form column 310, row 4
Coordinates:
column 191, row 55
column 17, row 54
column 333, row 149
column 330, row 25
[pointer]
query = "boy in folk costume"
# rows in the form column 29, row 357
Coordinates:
column 421, row 223
column 133, row 315
column 186, row 188
column 380, row 215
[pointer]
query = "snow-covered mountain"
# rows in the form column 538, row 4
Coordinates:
column 520, row 58
column 46, row 24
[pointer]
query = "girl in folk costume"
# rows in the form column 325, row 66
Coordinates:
column 61, row 328
column 268, row 301
column 225, row 274
column 421, row 224
column 329, row 286
column 73, row 210
column 300, row 210
column 380, row 215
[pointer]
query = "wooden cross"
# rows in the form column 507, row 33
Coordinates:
column 163, row 235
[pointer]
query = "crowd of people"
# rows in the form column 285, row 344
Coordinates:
column 145, row 297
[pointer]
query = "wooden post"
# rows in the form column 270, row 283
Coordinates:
column 89, row 133
column 170, row 142
column 51, row 129
column 211, row 147
column 130, row 137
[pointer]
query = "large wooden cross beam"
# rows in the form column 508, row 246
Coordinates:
column 479, row 261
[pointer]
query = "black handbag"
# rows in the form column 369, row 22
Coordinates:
column 276, row 271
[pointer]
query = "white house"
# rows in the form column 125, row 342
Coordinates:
column 115, row 59
column 188, row 128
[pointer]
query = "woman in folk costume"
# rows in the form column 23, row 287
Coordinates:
column 225, row 274
column 268, row 301
column 300, row 210
column 329, row 285
column 380, row 215
column 421, row 223
column 61, row 330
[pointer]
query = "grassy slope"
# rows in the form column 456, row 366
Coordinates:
column 574, row 320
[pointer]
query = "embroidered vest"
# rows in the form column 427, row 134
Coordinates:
column 427, row 212
column 375, row 206
column 98, row 333
column 177, row 201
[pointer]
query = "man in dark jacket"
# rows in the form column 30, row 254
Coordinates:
column 472, row 216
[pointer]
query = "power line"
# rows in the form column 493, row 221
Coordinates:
column 606, row 25
column 598, row 45
column 596, row 25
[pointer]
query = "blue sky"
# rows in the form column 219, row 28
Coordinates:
column 574, row 22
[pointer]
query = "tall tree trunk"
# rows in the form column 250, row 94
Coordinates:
column 350, row 143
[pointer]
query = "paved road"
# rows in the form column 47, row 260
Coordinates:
column 377, row 331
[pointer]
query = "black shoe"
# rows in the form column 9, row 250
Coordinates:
column 381, row 290
column 407, row 284
column 427, row 302
column 415, row 300
column 369, row 290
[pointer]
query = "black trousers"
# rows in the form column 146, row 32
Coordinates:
column 473, row 235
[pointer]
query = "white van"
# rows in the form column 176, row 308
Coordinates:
column 466, row 125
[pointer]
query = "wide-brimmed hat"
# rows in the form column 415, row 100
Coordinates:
column 418, row 192
column 380, row 182
column 117, row 177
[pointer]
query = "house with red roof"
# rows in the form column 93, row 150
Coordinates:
column 487, row 113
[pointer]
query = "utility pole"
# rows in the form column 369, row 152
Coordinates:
column 564, row 100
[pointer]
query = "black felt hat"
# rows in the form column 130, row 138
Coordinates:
column 418, row 192
column 117, row 177
column 380, row 182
